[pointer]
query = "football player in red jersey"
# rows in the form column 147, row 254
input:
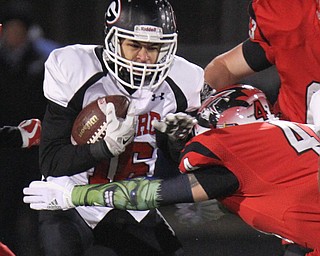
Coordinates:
column 263, row 169
column 285, row 34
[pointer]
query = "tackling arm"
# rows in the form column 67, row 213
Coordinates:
column 134, row 194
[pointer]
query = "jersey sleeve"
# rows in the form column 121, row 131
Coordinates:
column 64, row 76
column 190, row 79
column 258, row 42
column 197, row 155
column 63, row 72
column 279, row 24
column 255, row 56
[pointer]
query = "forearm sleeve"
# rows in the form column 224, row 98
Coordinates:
column 135, row 194
column 144, row 193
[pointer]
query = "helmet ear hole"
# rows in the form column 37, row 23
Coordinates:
column 151, row 22
column 234, row 105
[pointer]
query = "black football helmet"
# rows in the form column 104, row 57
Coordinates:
column 151, row 21
column 234, row 105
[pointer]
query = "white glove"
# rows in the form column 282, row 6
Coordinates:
column 119, row 133
column 177, row 126
column 46, row 195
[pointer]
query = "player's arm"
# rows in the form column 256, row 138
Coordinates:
column 58, row 157
column 241, row 61
column 227, row 68
column 25, row 135
column 134, row 194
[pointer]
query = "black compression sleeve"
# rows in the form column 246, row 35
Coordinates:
column 255, row 56
column 217, row 181
column 176, row 190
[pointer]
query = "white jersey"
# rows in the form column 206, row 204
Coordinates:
column 77, row 73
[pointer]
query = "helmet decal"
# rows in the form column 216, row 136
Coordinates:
column 113, row 12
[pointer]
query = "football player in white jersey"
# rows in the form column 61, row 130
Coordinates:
column 137, row 60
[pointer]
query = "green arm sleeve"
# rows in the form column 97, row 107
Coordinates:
column 134, row 194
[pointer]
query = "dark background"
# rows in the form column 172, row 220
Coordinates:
column 206, row 28
column 204, row 22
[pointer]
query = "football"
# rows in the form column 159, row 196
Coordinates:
column 90, row 124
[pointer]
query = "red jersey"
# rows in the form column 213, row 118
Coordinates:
column 276, row 165
column 289, row 32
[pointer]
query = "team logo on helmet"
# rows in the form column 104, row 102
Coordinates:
column 113, row 12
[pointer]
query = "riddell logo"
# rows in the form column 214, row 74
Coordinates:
column 148, row 29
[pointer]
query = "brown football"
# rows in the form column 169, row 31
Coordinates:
column 90, row 124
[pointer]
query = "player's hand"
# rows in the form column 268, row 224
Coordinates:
column 30, row 132
column 119, row 133
column 46, row 195
column 178, row 126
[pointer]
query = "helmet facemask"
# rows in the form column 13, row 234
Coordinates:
column 134, row 74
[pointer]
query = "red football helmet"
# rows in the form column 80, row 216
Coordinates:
column 234, row 105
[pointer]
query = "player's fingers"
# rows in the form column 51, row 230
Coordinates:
column 131, row 109
column 171, row 119
column 181, row 115
column 112, row 120
column 111, row 112
column 38, row 188
column 38, row 206
column 130, row 118
column 38, row 184
column 31, row 191
column 159, row 125
column 33, row 199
